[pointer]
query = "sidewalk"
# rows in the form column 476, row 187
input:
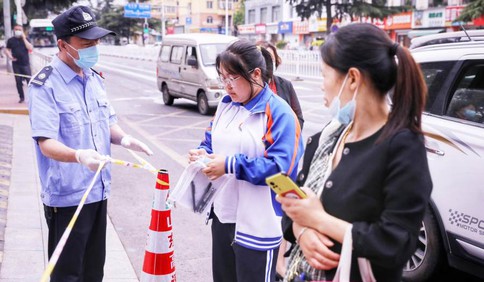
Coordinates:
column 23, row 231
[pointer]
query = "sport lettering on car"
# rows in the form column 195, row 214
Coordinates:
column 466, row 221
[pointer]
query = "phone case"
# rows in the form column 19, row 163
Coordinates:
column 284, row 186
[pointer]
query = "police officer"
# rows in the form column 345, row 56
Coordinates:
column 73, row 125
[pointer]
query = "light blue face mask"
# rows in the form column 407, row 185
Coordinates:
column 88, row 57
column 345, row 114
column 470, row 114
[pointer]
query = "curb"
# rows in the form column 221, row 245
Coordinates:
column 14, row 111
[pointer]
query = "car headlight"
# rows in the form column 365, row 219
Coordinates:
column 214, row 84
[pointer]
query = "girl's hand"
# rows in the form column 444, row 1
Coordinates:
column 195, row 154
column 216, row 167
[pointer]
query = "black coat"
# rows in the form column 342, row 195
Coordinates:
column 286, row 91
column 383, row 189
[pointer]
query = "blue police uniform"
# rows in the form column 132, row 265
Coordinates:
column 75, row 111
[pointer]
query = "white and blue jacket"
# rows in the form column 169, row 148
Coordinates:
column 260, row 139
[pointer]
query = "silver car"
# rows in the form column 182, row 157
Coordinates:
column 453, row 227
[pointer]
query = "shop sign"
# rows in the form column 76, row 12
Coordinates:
column 417, row 19
column 299, row 27
column 271, row 28
column 260, row 29
column 246, row 29
column 285, row 27
column 399, row 21
column 434, row 17
column 317, row 24
column 479, row 21
column 379, row 23
column 452, row 13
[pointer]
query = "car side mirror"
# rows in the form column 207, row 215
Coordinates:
column 192, row 61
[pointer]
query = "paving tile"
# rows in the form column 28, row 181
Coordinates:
column 23, row 239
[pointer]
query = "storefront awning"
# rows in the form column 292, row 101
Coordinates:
column 421, row 32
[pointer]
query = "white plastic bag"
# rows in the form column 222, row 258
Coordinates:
column 194, row 190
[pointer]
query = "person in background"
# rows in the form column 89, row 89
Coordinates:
column 254, row 134
column 285, row 90
column 279, row 85
column 366, row 173
column 73, row 125
column 17, row 51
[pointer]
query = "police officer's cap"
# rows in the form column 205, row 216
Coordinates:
column 79, row 21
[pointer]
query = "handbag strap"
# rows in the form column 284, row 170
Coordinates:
column 344, row 265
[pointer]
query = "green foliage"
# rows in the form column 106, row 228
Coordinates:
column 239, row 15
column 375, row 9
column 281, row 44
column 41, row 8
column 474, row 10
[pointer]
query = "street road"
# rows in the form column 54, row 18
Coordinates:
column 171, row 131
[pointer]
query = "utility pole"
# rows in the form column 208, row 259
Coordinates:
column 7, row 27
column 6, row 19
column 226, row 17
column 19, row 12
column 162, row 21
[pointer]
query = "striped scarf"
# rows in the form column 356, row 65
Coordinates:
column 319, row 170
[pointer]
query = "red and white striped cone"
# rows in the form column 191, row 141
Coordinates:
column 158, row 264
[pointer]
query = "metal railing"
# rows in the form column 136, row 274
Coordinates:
column 295, row 63
column 300, row 64
column 39, row 60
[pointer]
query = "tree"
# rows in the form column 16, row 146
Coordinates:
column 375, row 9
column 42, row 8
column 239, row 15
column 472, row 11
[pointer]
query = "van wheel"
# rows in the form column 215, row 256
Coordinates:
column 167, row 98
column 428, row 258
column 202, row 103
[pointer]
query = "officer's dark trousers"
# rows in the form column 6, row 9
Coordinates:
column 22, row 70
column 232, row 262
column 85, row 251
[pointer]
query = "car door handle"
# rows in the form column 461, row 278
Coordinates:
column 435, row 151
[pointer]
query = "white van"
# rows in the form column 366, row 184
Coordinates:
column 186, row 68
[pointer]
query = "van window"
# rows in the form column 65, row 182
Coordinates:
column 191, row 51
column 176, row 54
column 209, row 52
column 165, row 53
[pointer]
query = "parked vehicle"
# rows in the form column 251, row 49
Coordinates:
column 186, row 68
column 453, row 227
column 447, row 37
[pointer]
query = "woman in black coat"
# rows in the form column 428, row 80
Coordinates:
column 366, row 174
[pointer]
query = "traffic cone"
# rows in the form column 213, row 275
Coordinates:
column 158, row 264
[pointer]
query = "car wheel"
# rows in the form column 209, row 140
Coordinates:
column 202, row 104
column 167, row 98
column 428, row 258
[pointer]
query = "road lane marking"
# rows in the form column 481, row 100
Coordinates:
column 131, row 74
column 179, row 128
column 182, row 160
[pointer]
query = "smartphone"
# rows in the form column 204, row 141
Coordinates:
column 284, row 186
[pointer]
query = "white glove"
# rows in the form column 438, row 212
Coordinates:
column 90, row 158
column 132, row 143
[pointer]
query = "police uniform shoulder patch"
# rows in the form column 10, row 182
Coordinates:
column 42, row 76
column 98, row 73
